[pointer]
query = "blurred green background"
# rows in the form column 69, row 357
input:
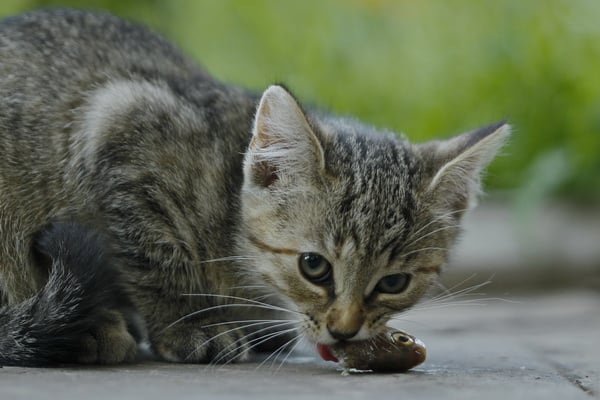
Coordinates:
column 428, row 69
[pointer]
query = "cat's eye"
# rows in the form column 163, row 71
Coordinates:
column 315, row 268
column 393, row 284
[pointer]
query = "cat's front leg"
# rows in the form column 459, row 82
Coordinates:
column 221, row 337
column 109, row 341
column 205, row 342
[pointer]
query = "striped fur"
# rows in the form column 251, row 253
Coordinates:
column 138, row 193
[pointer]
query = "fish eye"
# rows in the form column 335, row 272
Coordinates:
column 401, row 338
column 393, row 284
column 315, row 268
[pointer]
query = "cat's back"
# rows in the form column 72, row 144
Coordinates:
column 68, row 44
column 77, row 87
column 51, row 60
column 51, row 63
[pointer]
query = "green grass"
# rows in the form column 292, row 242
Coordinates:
column 428, row 68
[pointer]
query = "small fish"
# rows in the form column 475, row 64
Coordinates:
column 390, row 351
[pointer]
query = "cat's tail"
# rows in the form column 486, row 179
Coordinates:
column 48, row 328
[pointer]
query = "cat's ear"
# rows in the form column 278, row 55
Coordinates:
column 455, row 166
column 284, row 147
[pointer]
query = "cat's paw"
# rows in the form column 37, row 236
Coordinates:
column 109, row 342
column 198, row 344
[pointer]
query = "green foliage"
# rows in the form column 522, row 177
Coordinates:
column 429, row 68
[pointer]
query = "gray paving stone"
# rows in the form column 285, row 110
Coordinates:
column 543, row 347
column 554, row 245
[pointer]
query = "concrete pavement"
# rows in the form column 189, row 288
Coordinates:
column 554, row 245
column 542, row 347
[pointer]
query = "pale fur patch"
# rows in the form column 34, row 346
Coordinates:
column 108, row 104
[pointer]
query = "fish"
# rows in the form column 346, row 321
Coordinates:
column 390, row 351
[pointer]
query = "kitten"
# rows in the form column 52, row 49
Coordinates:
column 142, row 199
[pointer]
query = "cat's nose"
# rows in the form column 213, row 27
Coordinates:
column 345, row 320
column 341, row 335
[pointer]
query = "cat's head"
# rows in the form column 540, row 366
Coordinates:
column 348, row 225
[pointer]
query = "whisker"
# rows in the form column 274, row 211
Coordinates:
column 454, row 297
column 246, row 287
column 298, row 340
column 294, row 343
column 264, row 321
column 221, row 334
column 431, row 233
column 270, row 336
column 278, row 351
column 264, row 296
column 459, row 298
column 250, row 301
column 473, row 303
column 436, row 219
column 451, row 297
column 422, row 249
column 261, row 339
column 468, row 291
column 252, row 344
column 222, row 306
column 230, row 258
column 476, row 302
column 467, row 279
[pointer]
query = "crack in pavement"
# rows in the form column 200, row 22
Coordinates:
column 572, row 378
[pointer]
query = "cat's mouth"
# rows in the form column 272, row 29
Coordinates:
column 325, row 352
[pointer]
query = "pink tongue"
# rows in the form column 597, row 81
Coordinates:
column 325, row 353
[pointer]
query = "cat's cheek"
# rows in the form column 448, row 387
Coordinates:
column 315, row 334
column 323, row 338
column 364, row 333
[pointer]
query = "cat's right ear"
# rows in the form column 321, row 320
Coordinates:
column 284, row 149
column 454, row 167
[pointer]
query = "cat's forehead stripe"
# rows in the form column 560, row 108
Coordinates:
column 378, row 191
column 436, row 269
column 277, row 250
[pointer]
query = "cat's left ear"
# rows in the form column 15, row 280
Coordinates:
column 284, row 147
column 455, row 166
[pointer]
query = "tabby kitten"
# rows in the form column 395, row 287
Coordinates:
column 142, row 199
